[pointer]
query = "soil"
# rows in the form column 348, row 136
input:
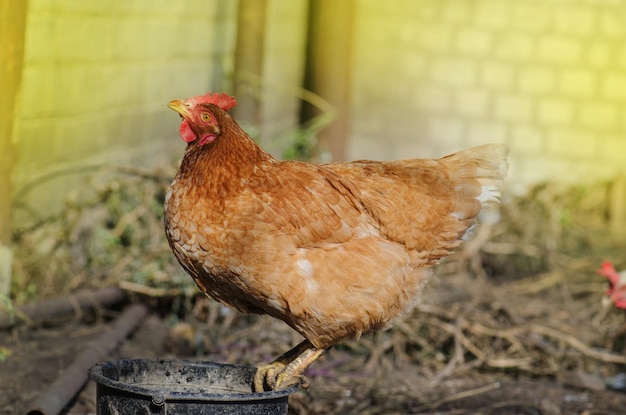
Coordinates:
column 38, row 356
column 515, row 325
column 347, row 380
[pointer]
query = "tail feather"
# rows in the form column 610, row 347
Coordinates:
column 485, row 166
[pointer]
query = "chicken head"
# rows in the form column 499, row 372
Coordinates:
column 616, row 292
column 199, row 123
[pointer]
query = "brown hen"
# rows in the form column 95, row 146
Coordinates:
column 334, row 250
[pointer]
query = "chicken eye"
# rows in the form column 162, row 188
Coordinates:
column 205, row 117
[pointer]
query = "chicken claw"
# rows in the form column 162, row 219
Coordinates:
column 275, row 378
column 288, row 369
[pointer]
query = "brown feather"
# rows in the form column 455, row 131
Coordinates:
column 333, row 250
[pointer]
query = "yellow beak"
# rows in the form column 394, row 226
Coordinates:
column 180, row 107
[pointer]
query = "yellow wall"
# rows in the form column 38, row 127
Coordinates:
column 98, row 76
column 429, row 77
column 547, row 77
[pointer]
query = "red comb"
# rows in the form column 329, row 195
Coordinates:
column 223, row 100
column 608, row 271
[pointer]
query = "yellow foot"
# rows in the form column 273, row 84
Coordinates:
column 288, row 369
column 275, row 377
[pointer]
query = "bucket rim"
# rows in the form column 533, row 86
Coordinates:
column 95, row 373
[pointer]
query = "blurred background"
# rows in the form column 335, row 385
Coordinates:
column 88, row 146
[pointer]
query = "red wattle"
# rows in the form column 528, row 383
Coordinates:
column 206, row 139
column 186, row 133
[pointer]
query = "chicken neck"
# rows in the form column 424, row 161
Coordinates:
column 215, row 167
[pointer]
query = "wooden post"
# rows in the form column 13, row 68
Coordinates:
column 328, row 69
column 249, row 53
column 12, row 30
column 617, row 205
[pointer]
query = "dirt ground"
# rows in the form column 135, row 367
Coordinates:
column 376, row 375
column 513, row 324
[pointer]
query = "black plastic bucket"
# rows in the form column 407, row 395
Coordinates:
column 176, row 387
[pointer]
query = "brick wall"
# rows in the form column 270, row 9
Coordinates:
column 97, row 79
column 548, row 77
column 98, row 76
column 283, row 71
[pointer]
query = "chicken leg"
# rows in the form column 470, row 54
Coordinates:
column 287, row 369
